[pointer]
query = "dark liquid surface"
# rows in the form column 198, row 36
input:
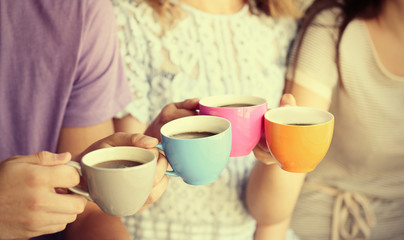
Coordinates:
column 236, row 105
column 301, row 124
column 192, row 135
column 118, row 164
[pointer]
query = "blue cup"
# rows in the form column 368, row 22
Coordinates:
column 197, row 147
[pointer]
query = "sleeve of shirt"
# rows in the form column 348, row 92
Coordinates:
column 132, row 19
column 100, row 89
column 316, row 67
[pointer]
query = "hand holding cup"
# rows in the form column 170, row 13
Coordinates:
column 120, row 177
column 261, row 150
column 171, row 112
column 28, row 195
column 198, row 161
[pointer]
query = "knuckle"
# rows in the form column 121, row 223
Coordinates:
column 16, row 157
column 79, row 205
column 73, row 176
column 42, row 156
column 31, row 223
column 162, row 160
column 72, row 218
column 35, row 202
column 80, row 208
column 119, row 134
column 29, row 234
column 136, row 137
column 152, row 198
column 164, row 118
column 34, row 178
column 57, row 228
column 164, row 182
column 156, row 182
column 149, row 201
column 158, row 190
column 167, row 112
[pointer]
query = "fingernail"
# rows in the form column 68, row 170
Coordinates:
column 149, row 140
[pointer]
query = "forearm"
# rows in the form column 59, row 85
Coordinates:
column 76, row 139
column 94, row 224
column 129, row 124
column 276, row 231
column 272, row 193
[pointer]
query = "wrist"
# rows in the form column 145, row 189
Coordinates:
column 267, row 161
column 264, row 157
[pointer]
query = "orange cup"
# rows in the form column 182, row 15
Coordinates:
column 298, row 137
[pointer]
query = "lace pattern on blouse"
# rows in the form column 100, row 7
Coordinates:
column 203, row 55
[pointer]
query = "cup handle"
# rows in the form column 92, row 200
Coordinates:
column 77, row 190
column 169, row 173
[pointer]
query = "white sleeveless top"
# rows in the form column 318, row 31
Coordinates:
column 202, row 55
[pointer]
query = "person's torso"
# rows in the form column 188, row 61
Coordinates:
column 39, row 46
column 358, row 187
column 202, row 55
column 369, row 111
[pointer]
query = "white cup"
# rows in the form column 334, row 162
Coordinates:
column 117, row 191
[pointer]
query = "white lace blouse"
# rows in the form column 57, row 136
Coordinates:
column 203, row 54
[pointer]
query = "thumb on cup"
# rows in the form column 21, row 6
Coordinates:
column 45, row 158
column 287, row 100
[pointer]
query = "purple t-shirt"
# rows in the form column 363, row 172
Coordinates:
column 59, row 66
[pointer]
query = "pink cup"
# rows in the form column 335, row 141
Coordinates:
column 246, row 121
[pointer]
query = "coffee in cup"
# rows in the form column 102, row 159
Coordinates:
column 192, row 135
column 236, row 105
column 118, row 164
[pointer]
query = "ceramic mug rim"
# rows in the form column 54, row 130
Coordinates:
column 326, row 117
column 212, row 101
column 165, row 127
column 128, row 149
